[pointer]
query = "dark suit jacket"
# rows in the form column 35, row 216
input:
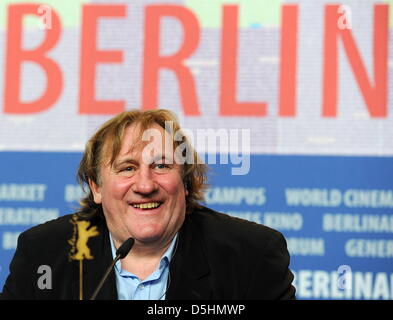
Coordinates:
column 218, row 257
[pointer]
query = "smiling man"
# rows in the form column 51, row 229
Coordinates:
column 142, row 197
column 144, row 182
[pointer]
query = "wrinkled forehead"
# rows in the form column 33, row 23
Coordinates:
column 140, row 143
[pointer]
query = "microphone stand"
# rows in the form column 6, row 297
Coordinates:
column 121, row 253
column 108, row 271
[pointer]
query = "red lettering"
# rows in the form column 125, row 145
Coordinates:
column 229, row 43
column 152, row 61
column 91, row 56
column 375, row 96
column 15, row 55
column 287, row 98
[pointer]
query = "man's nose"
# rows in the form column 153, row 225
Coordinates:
column 145, row 183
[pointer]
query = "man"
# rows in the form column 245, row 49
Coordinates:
column 144, row 181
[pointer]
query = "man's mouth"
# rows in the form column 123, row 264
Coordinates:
column 146, row 205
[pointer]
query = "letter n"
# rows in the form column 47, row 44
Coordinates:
column 374, row 94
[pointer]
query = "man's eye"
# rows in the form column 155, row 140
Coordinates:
column 162, row 166
column 128, row 169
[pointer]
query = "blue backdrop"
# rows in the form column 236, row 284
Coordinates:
column 335, row 212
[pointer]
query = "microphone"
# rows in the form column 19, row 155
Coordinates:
column 124, row 249
column 121, row 253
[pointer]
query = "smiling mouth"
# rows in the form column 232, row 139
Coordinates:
column 146, row 206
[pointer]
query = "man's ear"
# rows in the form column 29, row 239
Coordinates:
column 96, row 190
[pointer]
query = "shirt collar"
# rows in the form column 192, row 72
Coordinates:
column 164, row 261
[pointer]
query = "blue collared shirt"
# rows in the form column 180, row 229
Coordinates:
column 130, row 287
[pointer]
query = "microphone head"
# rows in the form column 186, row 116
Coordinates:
column 125, row 248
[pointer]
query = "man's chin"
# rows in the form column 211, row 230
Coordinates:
column 147, row 238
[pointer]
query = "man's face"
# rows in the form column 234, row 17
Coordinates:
column 142, row 200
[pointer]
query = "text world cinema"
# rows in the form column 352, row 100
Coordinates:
column 372, row 85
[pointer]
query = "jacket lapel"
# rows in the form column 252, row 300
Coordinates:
column 189, row 277
column 189, row 270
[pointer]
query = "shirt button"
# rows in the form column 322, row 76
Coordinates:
column 141, row 287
